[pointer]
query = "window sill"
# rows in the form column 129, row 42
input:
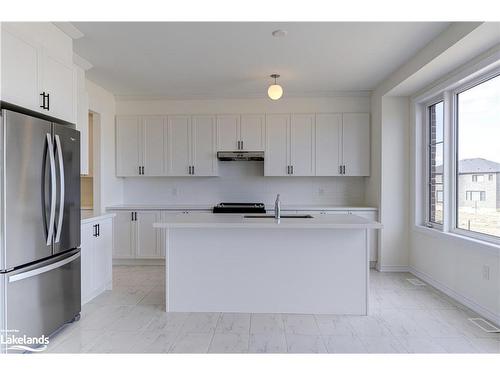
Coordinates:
column 490, row 247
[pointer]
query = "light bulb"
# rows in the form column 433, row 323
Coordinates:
column 275, row 92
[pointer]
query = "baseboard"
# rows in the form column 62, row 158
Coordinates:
column 138, row 262
column 474, row 306
column 382, row 268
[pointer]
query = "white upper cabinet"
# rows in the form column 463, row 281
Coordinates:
column 228, row 132
column 328, row 144
column 59, row 86
column 179, row 149
column 203, row 141
column 128, row 146
column 153, row 130
column 302, row 141
column 277, row 145
column 245, row 132
column 37, row 71
column 252, row 132
column 20, row 71
column 356, row 144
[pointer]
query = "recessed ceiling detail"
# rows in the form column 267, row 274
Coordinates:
column 233, row 59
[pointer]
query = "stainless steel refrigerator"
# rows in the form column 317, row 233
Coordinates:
column 39, row 224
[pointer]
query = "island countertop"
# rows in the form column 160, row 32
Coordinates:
column 209, row 220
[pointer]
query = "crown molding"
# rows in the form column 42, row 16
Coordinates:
column 260, row 95
column 81, row 62
column 69, row 29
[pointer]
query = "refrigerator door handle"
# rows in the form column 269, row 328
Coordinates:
column 61, row 182
column 52, row 190
column 38, row 271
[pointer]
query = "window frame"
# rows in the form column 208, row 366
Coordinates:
column 453, row 224
column 427, row 137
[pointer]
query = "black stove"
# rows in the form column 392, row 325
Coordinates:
column 239, row 208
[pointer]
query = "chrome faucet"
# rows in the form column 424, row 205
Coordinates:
column 277, row 208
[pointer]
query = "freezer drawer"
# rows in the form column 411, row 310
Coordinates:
column 41, row 298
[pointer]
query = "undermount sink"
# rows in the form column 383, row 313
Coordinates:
column 282, row 217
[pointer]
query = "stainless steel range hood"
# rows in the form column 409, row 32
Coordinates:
column 240, row 155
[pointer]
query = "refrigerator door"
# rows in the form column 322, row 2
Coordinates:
column 28, row 183
column 67, row 221
column 42, row 297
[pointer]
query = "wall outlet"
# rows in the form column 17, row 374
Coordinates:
column 486, row 272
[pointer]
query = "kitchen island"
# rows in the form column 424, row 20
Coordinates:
column 233, row 263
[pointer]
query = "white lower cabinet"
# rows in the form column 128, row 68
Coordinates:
column 135, row 237
column 96, row 258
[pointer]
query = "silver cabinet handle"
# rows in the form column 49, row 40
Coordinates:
column 62, row 187
column 39, row 271
column 52, row 216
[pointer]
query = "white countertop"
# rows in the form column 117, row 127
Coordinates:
column 89, row 216
column 208, row 207
column 209, row 220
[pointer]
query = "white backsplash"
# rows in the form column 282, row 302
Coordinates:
column 244, row 182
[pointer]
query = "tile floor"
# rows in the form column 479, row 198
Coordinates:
column 404, row 319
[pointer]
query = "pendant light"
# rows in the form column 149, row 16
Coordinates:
column 275, row 91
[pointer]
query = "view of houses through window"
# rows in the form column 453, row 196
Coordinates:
column 478, row 154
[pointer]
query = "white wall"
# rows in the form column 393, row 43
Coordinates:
column 451, row 263
column 108, row 190
column 395, row 183
column 244, row 181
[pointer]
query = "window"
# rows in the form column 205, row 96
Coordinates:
column 476, row 196
column 435, row 163
column 477, row 127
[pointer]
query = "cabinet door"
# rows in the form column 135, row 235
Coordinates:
column 147, row 236
column 252, row 131
column 87, row 262
column 203, row 140
column 276, row 153
column 103, row 272
column 19, row 72
column 328, row 144
column 302, row 156
column 123, row 235
column 178, row 149
column 59, row 82
column 154, row 138
column 128, row 147
column 356, row 144
column 228, row 132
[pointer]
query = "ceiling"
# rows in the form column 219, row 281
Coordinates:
column 235, row 59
